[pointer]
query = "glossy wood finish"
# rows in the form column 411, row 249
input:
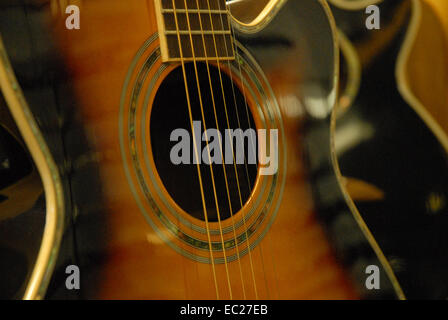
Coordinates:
column 294, row 260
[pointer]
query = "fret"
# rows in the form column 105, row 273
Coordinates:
column 209, row 59
column 170, row 22
column 197, row 32
column 215, row 29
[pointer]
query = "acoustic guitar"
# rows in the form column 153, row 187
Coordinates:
column 389, row 144
column 99, row 112
column 126, row 88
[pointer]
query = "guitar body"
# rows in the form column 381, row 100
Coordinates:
column 134, row 238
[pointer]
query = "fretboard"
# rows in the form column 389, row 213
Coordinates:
column 207, row 25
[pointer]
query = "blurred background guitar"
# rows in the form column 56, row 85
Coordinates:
column 389, row 141
column 92, row 110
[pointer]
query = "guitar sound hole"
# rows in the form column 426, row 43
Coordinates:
column 170, row 112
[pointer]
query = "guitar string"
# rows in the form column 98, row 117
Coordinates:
column 239, row 59
column 208, row 150
column 233, row 154
column 182, row 60
column 249, row 183
column 222, row 156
